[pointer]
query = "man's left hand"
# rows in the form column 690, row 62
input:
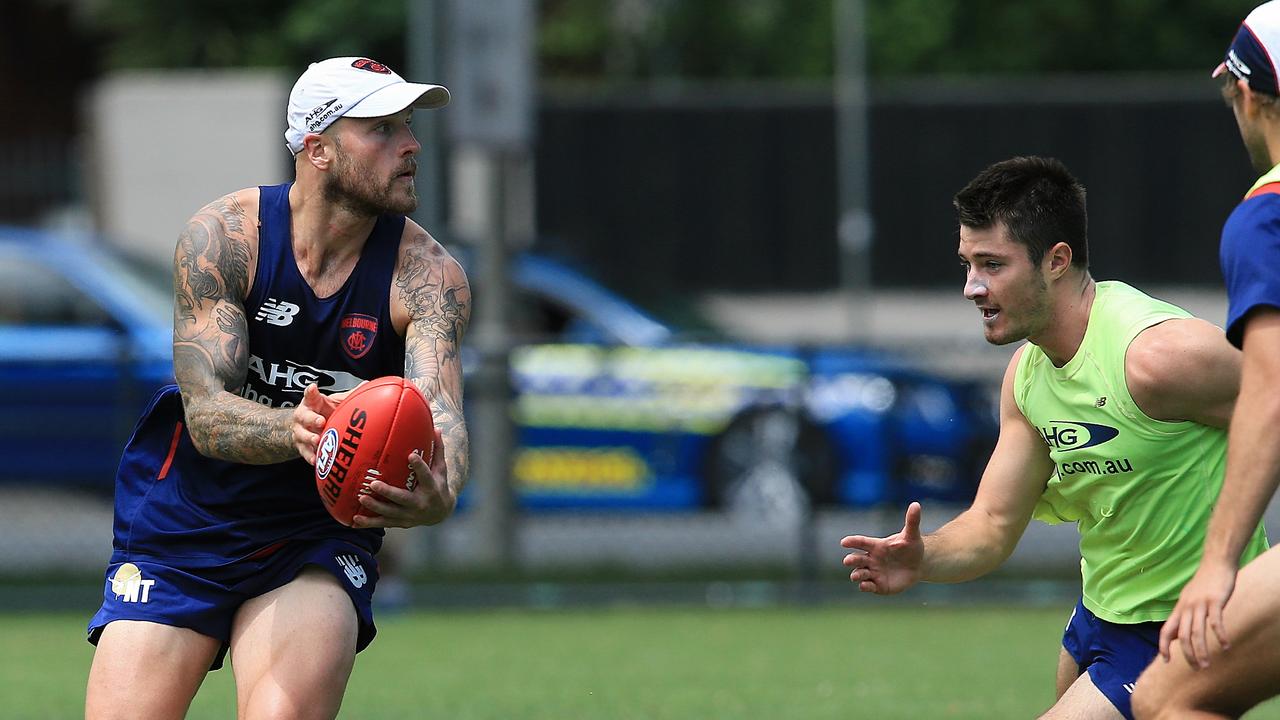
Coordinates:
column 427, row 501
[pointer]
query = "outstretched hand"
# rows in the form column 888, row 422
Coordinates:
column 427, row 500
column 889, row 565
column 1199, row 609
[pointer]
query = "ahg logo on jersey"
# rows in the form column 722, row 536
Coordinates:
column 290, row 378
column 295, row 377
column 277, row 312
column 1064, row 435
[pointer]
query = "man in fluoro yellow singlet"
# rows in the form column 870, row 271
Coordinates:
column 1221, row 646
column 1112, row 416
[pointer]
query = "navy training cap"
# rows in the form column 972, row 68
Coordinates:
column 1251, row 56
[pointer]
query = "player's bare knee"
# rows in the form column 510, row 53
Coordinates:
column 1146, row 701
column 276, row 708
column 1143, row 709
column 276, row 703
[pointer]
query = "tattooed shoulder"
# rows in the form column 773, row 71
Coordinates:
column 433, row 289
column 435, row 294
column 215, row 251
column 212, row 272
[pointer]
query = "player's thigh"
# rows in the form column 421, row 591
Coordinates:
column 1068, row 671
column 292, row 649
column 1243, row 676
column 147, row 670
column 1083, row 701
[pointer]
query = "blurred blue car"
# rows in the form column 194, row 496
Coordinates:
column 612, row 409
column 84, row 342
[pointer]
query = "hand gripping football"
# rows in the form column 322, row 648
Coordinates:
column 369, row 437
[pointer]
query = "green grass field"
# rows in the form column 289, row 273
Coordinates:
column 852, row 662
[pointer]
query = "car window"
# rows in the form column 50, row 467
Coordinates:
column 536, row 318
column 151, row 283
column 33, row 294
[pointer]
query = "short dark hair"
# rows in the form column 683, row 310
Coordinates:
column 1038, row 200
column 1229, row 84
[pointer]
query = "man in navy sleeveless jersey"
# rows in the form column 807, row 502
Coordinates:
column 1227, row 623
column 287, row 297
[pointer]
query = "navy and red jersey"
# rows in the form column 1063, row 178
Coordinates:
column 176, row 505
column 1250, row 254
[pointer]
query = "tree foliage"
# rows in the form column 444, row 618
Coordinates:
column 240, row 33
column 699, row 39
column 1039, row 36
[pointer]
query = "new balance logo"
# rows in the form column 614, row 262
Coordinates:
column 1102, row 401
column 351, row 566
column 128, row 585
column 277, row 312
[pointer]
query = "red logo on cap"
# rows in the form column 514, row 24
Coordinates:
column 371, row 66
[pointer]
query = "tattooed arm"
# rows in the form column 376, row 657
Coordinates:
column 434, row 290
column 432, row 302
column 211, row 339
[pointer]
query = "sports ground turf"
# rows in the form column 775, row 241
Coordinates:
column 626, row 663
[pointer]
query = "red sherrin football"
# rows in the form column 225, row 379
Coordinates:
column 369, row 437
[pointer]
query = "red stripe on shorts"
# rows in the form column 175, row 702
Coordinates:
column 173, row 450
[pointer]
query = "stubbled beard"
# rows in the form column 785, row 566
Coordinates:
column 360, row 194
column 1259, row 156
column 1035, row 315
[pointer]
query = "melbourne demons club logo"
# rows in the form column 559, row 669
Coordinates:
column 357, row 332
column 371, row 66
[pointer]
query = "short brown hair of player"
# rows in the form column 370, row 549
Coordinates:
column 1231, row 90
column 1037, row 200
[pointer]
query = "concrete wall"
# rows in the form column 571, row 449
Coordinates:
column 162, row 144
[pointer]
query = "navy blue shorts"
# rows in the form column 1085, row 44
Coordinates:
column 1114, row 655
column 206, row 599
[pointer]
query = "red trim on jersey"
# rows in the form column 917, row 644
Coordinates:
column 173, row 450
column 1270, row 188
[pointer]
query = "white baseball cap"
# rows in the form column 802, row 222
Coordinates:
column 351, row 87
